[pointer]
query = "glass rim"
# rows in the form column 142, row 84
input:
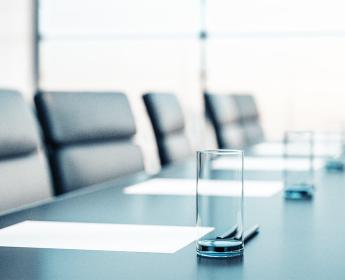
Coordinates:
column 221, row 152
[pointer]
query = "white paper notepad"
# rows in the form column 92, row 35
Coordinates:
column 213, row 188
column 105, row 237
column 269, row 164
column 276, row 149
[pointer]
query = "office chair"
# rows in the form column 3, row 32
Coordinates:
column 88, row 137
column 224, row 115
column 250, row 118
column 168, row 125
column 24, row 174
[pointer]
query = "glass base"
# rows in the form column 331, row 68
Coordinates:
column 214, row 248
column 335, row 165
column 299, row 191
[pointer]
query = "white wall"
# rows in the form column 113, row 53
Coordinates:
column 299, row 82
column 290, row 54
column 16, row 45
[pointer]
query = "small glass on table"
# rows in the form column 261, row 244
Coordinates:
column 299, row 165
column 336, row 163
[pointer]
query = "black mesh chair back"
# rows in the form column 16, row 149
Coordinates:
column 89, row 137
column 225, row 117
column 168, row 124
column 250, row 118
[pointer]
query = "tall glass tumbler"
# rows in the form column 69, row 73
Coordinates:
column 299, row 164
column 219, row 203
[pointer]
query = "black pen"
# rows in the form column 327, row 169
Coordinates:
column 228, row 234
column 250, row 233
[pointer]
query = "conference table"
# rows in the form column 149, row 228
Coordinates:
column 297, row 240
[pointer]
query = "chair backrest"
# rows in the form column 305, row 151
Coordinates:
column 24, row 174
column 250, row 118
column 168, row 125
column 89, row 137
column 225, row 118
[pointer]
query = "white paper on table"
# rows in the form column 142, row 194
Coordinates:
column 105, row 237
column 270, row 164
column 275, row 149
column 187, row 187
column 328, row 137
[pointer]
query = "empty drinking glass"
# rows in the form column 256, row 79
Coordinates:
column 299, row 164
column 215, row 208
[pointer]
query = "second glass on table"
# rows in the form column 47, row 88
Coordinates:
column 299, row 165
column 222, row 213
column 336, row 139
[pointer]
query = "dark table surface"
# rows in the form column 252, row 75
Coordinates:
column 297, row 240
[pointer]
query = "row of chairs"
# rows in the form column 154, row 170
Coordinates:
column 88, row 138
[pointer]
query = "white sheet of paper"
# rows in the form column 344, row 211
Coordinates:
column 104, row 237
column 328, row 137
column 325, row 149
column 270, row 164
column 164, row 186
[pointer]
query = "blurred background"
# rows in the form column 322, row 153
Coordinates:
column 288, row 54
